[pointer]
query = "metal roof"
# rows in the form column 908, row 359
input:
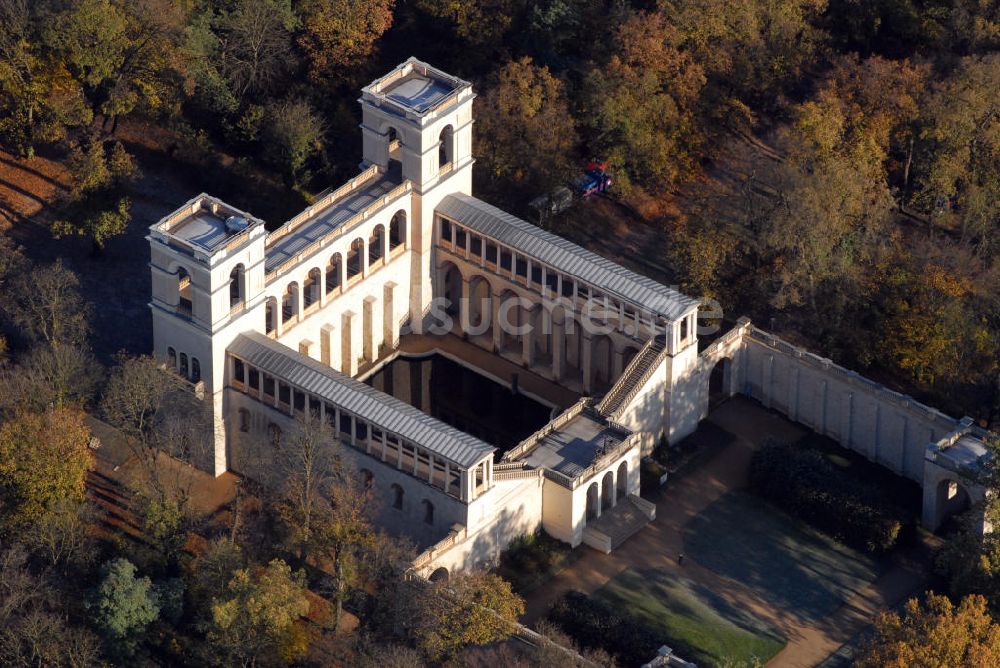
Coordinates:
column 565, row 256
column 378, row 408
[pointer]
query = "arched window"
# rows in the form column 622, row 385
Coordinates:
column 195, row 370
column 428, row 512
column 184, row 365
column 271, row 315
column 274, row 434
column 236, row 286
column 355, row 258
column 333, row 273
column 446, row 146
column 172, row 359
column 392, row 135
column 376, row 245
column 290, row 302
column 184, row 298
column 311, row 288
column 397, row 230
column 397, row 496
column 367, row 479
column 244, row 420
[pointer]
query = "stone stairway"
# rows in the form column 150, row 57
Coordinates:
column 616, row 525
column 634, row 375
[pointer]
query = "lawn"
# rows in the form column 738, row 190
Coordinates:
column 796, row 568
column 699, row 625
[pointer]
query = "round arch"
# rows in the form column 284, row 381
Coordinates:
column 290, row 302
column 720, row 381
column 602, row 362
column 440, row 574
column 356, row 258
column 397, row 230
column 237, row 286
column 446, row 146
column 450, row 285
column 480, row 304
column 271, row 315
column 312, row 287
column 621, row 480
column 608, row 490
column 334, row 271
column 593, row 502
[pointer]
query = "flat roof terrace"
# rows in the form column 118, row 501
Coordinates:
column 336, row 211
column 414, row 89
column 199, row 226
column 574, row 447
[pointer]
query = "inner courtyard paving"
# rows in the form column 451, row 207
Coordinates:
column 720, row 472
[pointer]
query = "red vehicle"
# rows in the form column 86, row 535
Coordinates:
column 595, row 179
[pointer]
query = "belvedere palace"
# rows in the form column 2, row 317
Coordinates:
column 485, row 377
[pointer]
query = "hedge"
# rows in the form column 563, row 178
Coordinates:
column 594, row 624
column 804, row 483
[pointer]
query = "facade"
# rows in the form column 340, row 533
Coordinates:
column 276, row 325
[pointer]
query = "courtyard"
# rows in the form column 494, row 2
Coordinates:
column 754, row 584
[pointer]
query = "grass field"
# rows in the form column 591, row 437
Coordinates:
column 699, row 625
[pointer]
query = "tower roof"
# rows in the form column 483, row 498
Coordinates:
column 415, row 89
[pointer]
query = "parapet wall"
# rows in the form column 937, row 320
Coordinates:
column 887, row 427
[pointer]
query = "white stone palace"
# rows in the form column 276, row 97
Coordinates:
column 272, row 325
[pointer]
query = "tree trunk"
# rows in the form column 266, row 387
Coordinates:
column 340, row 592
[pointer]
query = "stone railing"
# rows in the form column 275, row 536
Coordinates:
column 342, row 229
column 324, row 202
column 457, row 535
column 647, row 508
column 665, row 658
column 735, row 334
column 517, row 474
column 558, row 423
column 638, row 383
column 601, row 462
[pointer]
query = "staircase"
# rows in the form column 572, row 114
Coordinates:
column 618, row 524
column 635, row 375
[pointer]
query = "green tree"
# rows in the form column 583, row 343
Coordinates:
column 526, row 139
column 122, row 606
column 481, row 24
column 937, row 633
column 253, row 620
column 96, row 205
column 642, row 104
column 44, row 459
column 292, row 135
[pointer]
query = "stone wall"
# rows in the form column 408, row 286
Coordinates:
column 887, row 427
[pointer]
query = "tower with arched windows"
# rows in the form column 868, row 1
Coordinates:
column 207, row 266
column 416, row 122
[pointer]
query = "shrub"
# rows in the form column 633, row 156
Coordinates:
column 595, row 625
column 805, row 484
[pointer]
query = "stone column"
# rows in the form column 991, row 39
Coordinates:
column 617, row 363
column 528, row 343
column 299, row 301
column 390, row 331
column 464, row 314
column 586, row 360
column 369, row 346
column 364, row 258
column 558, row 348
column 496, row 325
column 348, row 355
column 425, row 386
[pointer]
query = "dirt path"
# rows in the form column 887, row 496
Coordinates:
column 658, row 545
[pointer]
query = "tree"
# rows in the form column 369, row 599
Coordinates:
column 44, row 459
column 96, row 206
column 526, row 138
column 254, row 46
column 481, row 24
column 472, row 608
column 292, row 135
column 62, row 536
column 338, row 35
column 63, row 376
column 122, row 606
column 160, row 416
column 48, row 307
column 209, row 575
column 641, row 106
column 936, row 633
column 253, row 620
